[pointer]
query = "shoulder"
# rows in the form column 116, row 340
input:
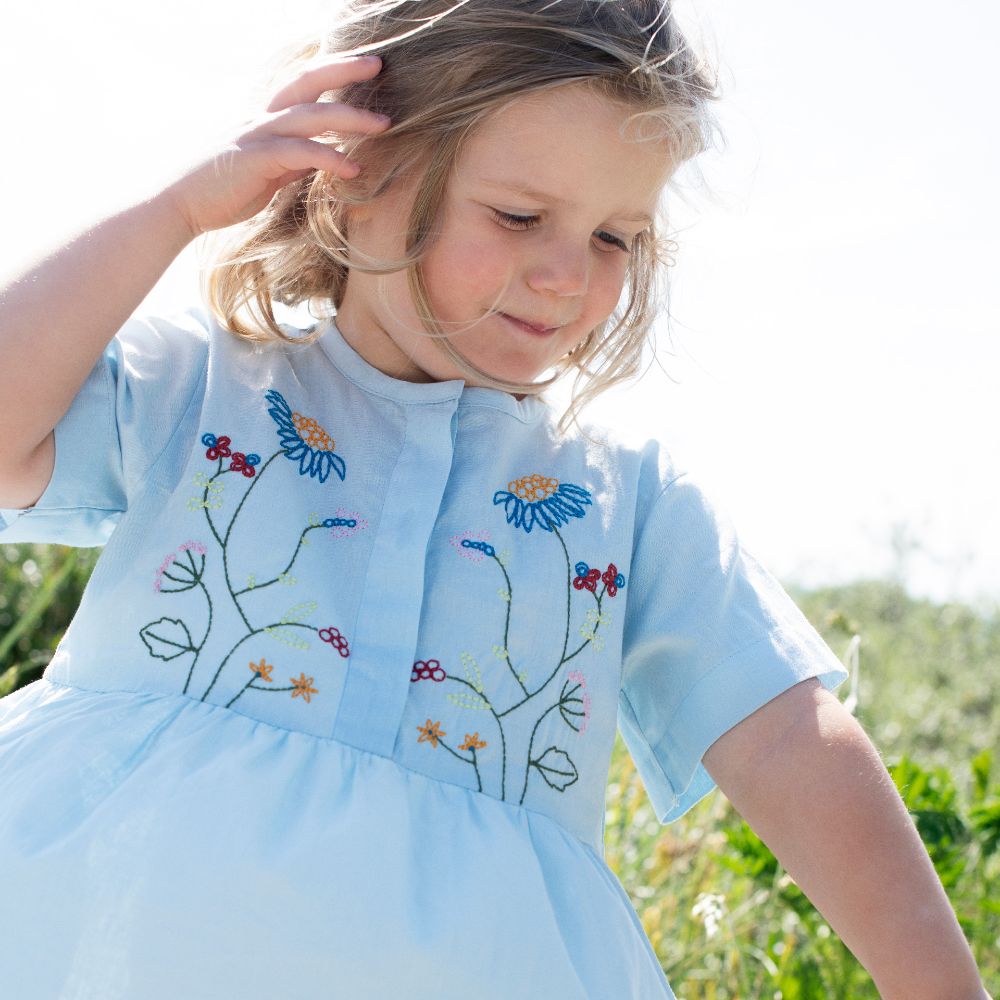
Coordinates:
column 649, row 465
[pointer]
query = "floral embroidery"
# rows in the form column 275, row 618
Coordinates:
column 613, row 579
column 427, row 670
column 304, row 441
column 217, row 447
column 302, row 687
column 335, row 639
column 184, row 575
column 211, row 498
column 262, row 669
column 245, row 464
column 586, row 578
column 472, row 742
column 474, row 547
column 568, row 698
column 545, row 502
column 539, row 500
column 345, row 523
column 430, row 732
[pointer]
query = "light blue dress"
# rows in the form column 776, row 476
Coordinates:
column 335, row 715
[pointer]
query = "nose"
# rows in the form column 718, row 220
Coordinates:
column 560, row 269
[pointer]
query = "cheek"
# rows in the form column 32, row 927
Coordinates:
column 606, row 288
column 464, row 274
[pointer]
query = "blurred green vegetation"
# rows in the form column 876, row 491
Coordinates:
column 724, row 918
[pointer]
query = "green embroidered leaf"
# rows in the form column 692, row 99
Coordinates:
column 298, row 612
column 287, row 637
column 468, row 701
column 556, row 768
column 167, row 638
column 472, row 674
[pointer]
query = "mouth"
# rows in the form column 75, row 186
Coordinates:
column 536, row 329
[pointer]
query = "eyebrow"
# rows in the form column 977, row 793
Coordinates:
column 554, row 199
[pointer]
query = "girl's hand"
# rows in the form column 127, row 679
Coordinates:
column 239, row 180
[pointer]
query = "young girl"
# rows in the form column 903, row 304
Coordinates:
column 335, row 715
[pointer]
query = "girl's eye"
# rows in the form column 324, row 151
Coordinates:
column 613, row 240
column 530, row 221
column 515, row 221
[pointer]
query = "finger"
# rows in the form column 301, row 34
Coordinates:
column 305, row 120
column 307, row 87
column 294, row 155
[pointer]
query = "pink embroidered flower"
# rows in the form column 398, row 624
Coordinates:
column 575, row 675
column 181, row 570
column 473, row 545
column 345, row 523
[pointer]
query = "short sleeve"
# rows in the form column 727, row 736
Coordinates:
column 709, row 637
column 115, row 430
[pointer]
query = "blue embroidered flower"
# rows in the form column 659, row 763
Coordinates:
column 304, row 440
column 539, row 500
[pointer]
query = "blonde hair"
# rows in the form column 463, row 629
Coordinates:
column 447, row 66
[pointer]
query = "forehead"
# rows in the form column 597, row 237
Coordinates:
column 570, row 142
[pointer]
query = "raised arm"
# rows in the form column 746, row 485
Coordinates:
column 60, row 312
column 811, row 784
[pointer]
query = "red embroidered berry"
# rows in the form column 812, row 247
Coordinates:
column 427, row 670
column 335, row 639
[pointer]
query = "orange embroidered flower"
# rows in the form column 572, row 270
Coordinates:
column 430, row 732
column 311, row 432
column 304, row 441
column 534, row 487
column 262, row 669
column 472, row 742
column 542, row 501
column 302, row 687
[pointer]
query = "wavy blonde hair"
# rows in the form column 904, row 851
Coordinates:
column 447, row 66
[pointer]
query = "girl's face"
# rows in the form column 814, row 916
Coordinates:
column 538, row 219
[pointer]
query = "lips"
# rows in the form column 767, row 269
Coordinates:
column 528, row 326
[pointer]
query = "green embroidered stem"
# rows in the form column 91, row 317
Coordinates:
column 204, row 505
column 204, row 638
column 597, row 625
column 256, row 480
column 250, row 635
column 253, row 677
column 506, row 628
column 503, row 740
column 531, row 743
column 232, row 522
column 569, row 594
column 295, row 555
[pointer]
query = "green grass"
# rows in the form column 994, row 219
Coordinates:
column 725, row 920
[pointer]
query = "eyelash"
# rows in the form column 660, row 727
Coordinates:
column 530, row 221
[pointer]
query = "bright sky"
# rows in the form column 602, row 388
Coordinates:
column 835, row 305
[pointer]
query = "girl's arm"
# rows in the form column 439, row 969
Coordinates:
column 58, row 315
column 811, row 784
